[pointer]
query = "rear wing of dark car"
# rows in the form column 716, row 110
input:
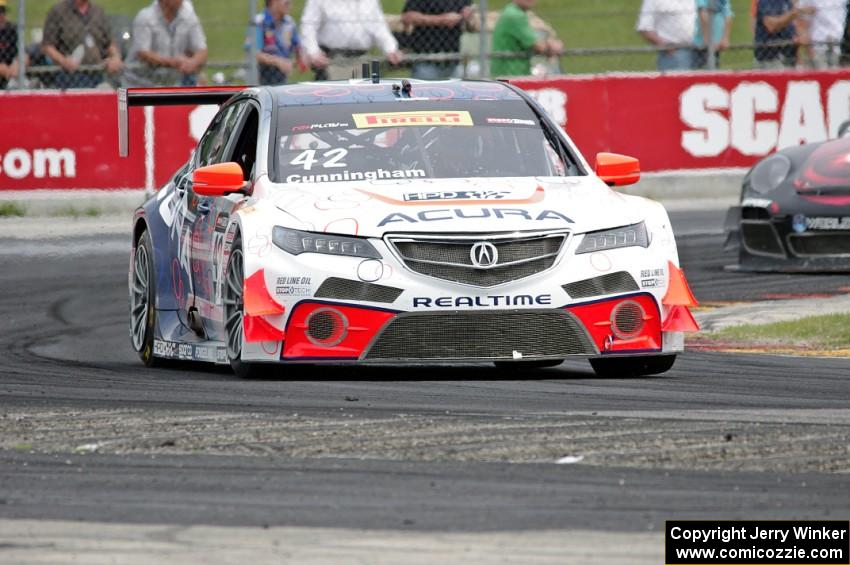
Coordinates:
column 188, row 96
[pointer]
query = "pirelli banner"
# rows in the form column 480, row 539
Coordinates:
column 68, row 140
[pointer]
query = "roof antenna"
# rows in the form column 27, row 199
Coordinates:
column 365, row 71
column 376, row 72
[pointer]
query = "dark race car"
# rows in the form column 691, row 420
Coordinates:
column 794, row 213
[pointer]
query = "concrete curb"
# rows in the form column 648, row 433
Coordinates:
column 769, row 312
column 723, row 185
column 676, row 190
column 47, row 203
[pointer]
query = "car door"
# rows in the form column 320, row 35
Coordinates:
column 213, row 214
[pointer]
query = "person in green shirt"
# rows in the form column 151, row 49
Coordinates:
column 514, row 34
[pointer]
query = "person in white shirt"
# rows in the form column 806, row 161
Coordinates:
column 336, row 32
column 669, row 26
column 169, row 45
column 821, row 29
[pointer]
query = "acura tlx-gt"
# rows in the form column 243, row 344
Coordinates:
column 372, row 221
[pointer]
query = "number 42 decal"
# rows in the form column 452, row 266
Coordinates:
column 332, row 159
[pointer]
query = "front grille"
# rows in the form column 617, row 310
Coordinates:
column 754, row 213
column 760, row 238
column 821, row 244
column 346, row 289
column 449, row 259
column 481, row 335
column 606, row 284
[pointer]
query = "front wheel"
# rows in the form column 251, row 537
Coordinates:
column 632, row 366
column 234, row 313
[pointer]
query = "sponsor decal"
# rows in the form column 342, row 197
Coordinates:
column 756, row 202
column 653, row 278
column 488, row 301
column 311, row 127
column 39, row 163
column 189, row 351
column 396, row 119
column 821, row 223
column 442, row 214
column 511, row 122
column 756, row 118
column 456, row 195
column 294, row 286
column 164, row 348
column 221, row 223
column 380, row 174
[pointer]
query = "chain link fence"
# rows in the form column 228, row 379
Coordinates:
column 109, row 43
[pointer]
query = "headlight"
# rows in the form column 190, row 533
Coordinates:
column 297, row 242
column 628, row 236
column 770, row 173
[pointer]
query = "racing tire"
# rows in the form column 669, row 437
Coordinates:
column 234, row 312
column 528, row 365
column 622, row 367
column 143, row 300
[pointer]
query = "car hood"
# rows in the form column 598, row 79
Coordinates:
column 826, row 170
column 579, row 204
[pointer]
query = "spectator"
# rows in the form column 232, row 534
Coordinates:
column 754, row 4
column 169, row 46
column 821, row 32
column 714, row 26
column 669, row 26
column 775, row 24
column 77, row 32
column 8, row 48
column 335, row 30
column 437, row 25
column 845, row 42
column 278, row 44
column 513, row 34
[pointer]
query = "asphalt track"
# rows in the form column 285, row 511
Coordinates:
column 412, row 449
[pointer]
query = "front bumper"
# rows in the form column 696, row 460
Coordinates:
column 624, row 325
column 770, row 243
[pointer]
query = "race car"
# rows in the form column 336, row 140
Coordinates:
column 794, row 213
column 372, row 221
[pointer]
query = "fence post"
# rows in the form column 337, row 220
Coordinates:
column 483, row 49
column 253, row 70
column 22, row 55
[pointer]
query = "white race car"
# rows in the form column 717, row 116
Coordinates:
column 378, row 222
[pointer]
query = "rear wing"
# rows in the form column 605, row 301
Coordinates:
column 190, row 96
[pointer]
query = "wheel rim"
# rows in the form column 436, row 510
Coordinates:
column 139, row 298
column 233, row 305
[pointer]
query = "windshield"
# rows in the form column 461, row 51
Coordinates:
column 413, row 139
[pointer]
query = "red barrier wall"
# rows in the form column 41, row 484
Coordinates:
column 65, row 140
column 685, row 121
column 696, row 120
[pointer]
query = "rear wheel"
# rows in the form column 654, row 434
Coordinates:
column 234, row 314
column 632, row 366
column 142, row 301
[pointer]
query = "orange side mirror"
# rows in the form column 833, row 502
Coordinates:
column 617, row 170
column 218, row 180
